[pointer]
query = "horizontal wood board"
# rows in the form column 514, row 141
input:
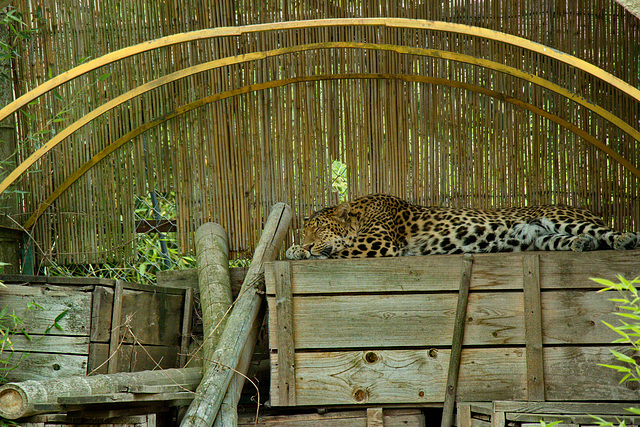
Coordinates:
column 378, row 330
column 419, row 376
column 358, row 418
column 559, row 270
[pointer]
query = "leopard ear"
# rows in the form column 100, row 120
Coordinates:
column 342, row 211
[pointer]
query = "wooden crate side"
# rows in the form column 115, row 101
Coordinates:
column 40, row 366
column 402, row 376
column 405, row 320
column 132, row 358
column 573, row 374
column 574, row 270
column 402, row 274
column 400, row 320
column 38, row 306
column 155, row 318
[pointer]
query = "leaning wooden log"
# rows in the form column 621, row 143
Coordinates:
column 228, row 413
column 212, row 260
column 36, row 397
column 210, row 393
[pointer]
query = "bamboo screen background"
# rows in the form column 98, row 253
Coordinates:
column 231, row 160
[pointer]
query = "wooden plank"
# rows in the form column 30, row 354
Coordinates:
column 567, row 408
column 116, row 326
column 533, row 327
column 398, row 320
column 189, row 279
column 402, row 274
column 403, row 376
column 573, row 374
column 101, row 312
column 132, row 358
column 56, row 280
column 558, row 270
column 39, row 366
column 463, row 418
column 285, row 333
column 51, row 344
column 566, row 270
column 26, row 300
column 375, row 417
column 355, row 418
column 493, row 318
column 456, row 346
column 187, row 320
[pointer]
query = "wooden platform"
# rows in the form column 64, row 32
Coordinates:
column 379, row 331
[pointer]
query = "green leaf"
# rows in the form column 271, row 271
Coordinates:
column 104, row 77
column 622, row 357
column 61, row 315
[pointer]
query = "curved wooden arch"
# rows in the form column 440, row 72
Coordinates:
column 278, row 83
column 257, row 28
column 436, row 53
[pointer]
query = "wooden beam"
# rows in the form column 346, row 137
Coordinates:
column 116, row 318
column 533, row 327
column 286, row 346
column 456, row 347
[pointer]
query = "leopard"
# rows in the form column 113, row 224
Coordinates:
column 380, row 225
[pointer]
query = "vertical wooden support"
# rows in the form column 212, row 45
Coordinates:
column 533, row 327
column 464, row 415
column 375, row 417
column 186, row 325
column 456, row 347
column 286, row 347
column 116, row 316
column 498, row 418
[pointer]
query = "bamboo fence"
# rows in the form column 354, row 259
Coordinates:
column 229, row 161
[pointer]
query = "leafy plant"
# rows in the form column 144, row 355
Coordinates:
column 628, row 330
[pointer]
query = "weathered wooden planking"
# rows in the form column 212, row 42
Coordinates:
column 53, row 301
column 155, row 318
column 403, row 376
column 40, row 366
column 405, row 320
column 573, row 374
column 51, row 344
column 132, row 358
column 390, row 418
column 574, row 270
column 441, row 272
column 419, row 376
column 189, row 279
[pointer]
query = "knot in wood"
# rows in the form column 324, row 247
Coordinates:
column 371, row 357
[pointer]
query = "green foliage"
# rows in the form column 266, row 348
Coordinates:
column 339, row 179
column 628, row 302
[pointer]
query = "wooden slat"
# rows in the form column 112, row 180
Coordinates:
column 407, row 376
column 116, row 329
column 456, row 346
column 285, row 333
column 187, row 320
column 533, row 327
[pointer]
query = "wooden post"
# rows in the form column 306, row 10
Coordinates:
column 212, row 260
column 533, row 327
column 456, row 347
column 115, row 336
column 209, row 395
column 19, row 400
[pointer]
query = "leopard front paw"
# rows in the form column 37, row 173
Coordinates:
column 625, row 241
column 583, row 243
column 297, row 252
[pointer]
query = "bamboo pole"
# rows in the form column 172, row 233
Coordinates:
column 212, row 389
column 19, row 400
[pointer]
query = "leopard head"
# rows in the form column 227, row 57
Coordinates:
column 329, row 231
